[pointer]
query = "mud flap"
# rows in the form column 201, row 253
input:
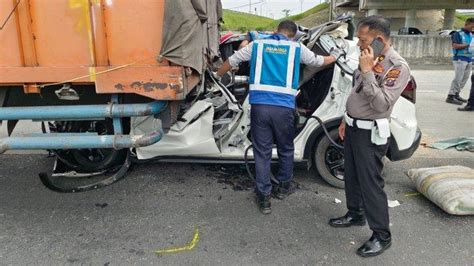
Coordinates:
column 66, row 181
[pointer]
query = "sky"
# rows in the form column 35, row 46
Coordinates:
column 270, row 8
column 273, row 8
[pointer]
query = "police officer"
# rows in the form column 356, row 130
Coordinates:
column 381, row 78
column 462, row 61
column 274, row 76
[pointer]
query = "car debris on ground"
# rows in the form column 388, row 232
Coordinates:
column 461, row 144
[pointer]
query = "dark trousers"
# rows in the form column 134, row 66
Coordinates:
column 268, row 124
column 471, row 94
column 363, row 180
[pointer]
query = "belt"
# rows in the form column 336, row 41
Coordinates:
column 357, row 123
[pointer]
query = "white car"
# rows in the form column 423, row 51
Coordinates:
column 446, row 33
column 213, row 124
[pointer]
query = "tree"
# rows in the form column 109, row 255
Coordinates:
column 287, row 12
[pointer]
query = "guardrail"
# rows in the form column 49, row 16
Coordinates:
column 423, row 49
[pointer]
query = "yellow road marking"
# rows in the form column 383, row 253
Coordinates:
column 191, row 245
column 412, row 194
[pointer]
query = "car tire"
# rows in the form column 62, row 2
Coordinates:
column 329, row 160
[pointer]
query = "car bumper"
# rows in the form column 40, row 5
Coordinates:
column 395, row 154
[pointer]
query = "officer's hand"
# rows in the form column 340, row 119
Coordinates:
column 366, row 60
column 342, row 130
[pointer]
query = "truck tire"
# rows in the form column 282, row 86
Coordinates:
column 329, row 160
column 90, row 160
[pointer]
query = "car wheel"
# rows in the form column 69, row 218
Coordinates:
column 329, row 160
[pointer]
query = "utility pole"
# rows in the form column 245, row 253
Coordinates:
column 250, row 6
column 301, row 4
column 331, row 9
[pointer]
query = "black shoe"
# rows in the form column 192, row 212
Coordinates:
column 263, row 203
column 453, row 100
column 283, row 190
column 347, row 221
column 373, row 247
column 457, row 97
column 466, row 108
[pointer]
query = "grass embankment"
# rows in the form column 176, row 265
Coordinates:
column 460, row 19
column 305, row 15
column 244, row 22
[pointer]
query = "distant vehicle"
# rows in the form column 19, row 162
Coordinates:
column 446, row 33
column 409, row 31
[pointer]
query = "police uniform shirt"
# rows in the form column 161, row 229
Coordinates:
column 375, row 92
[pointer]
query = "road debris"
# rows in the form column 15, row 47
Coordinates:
column 461, row 144
column 234, row 176
column 393, row 203
column 337, row 201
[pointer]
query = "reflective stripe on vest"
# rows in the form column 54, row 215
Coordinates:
column 274, row 73
column 465, row 39
column 255, row 35
column 471, row 46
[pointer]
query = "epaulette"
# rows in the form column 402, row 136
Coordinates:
column 398, row 62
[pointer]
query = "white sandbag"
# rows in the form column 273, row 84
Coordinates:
column 449, row 187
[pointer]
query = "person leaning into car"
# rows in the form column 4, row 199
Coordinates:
column 379, row 82
column 274, row 76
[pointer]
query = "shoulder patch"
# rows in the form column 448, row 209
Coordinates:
column 393, row 73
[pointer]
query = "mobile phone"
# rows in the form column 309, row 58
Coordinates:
column 377, row 45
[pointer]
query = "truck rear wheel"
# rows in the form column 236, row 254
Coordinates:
column 89, row 160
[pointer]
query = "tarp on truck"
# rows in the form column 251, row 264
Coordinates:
column 191, row 31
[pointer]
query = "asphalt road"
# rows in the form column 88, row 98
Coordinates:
column 159, row 205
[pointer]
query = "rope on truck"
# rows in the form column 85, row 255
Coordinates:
column 95, row 74
column 10, row 15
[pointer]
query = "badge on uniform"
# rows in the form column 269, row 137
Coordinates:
column 393, row 73
column 378, row 68
column 390, row 82
column 391, row 77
